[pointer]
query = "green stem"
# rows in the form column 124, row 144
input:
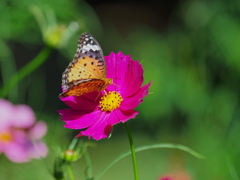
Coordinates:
column 73, row 144
column 70, row 172
column 134, row 159
column 24, row 71
column 148, row 147
column 89, row 164
column 232, row 170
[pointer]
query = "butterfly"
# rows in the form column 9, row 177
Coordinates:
column 87, row 72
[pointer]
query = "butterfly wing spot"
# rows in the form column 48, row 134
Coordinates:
column 92, row 63
column 85, row 64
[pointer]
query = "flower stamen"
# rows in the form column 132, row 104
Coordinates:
column 5, row 137
column 110, row 101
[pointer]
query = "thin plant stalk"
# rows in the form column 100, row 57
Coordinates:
column 70, row 172
column 149, row 147
column 26, row 70
column 89, row 164
column 134, row 159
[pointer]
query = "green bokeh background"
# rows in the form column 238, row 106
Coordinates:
column 190, row 51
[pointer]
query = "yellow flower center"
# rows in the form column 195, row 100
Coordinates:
column 5, row 137
column 110, row 101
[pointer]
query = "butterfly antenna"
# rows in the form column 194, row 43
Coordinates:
column 115, row 69
column 116, row 84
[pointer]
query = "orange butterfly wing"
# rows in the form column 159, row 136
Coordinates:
column 87, row 72
column 78, row 88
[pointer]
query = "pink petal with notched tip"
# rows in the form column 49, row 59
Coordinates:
column 102, row 127
column 99, row 130
column 119, row 115
column 134, row 100
column 127, row 114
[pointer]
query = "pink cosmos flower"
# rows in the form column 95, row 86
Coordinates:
column 18, row 130
column 98, row 112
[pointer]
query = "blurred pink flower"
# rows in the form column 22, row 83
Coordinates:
column 99, row 112
column 18, row 131
column 176, row 175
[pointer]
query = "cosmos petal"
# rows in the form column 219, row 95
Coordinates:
column 38, row 150
column 116, row 64
column 126, row 73
column 6, row 112
column 71, row 114
column 133, row 101
column 16, row 153
column 38, row 130
column 24, row 116
column 119, row 115
column 99, row 130
column 103, row 127
column 87, row 101
column 133, row 79
column 79, row 119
